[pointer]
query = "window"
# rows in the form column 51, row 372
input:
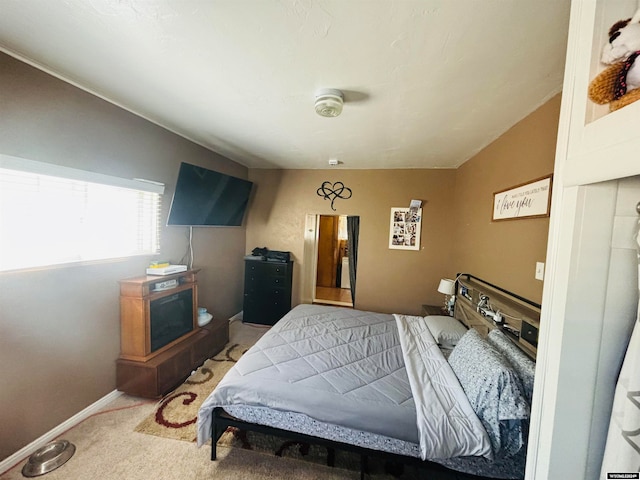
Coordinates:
column 52, row 215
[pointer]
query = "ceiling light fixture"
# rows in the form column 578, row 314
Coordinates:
column 329, row 102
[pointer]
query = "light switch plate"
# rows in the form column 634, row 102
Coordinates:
column 539, row 270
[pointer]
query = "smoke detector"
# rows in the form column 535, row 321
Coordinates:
column 329, row 102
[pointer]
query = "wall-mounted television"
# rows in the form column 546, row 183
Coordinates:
column 204, row 197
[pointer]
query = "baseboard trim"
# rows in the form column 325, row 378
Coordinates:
column 52, row 434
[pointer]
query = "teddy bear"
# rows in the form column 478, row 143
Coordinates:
column 619, row 83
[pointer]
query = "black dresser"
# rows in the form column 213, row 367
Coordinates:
column 267, row 291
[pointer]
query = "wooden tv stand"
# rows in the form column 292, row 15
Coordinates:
column 158, row 376
column 150, row 372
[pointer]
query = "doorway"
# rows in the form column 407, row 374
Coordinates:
column 332, row 264
column 330, row 276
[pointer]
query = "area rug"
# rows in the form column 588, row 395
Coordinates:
column 176, row 415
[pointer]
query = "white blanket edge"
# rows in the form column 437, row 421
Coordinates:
column 447, row 425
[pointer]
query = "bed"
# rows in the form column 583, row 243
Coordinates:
column 380, row 384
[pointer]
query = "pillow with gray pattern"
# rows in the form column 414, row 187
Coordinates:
column 522, row 364
column 494, row 391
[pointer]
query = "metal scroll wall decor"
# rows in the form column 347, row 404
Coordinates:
column 331, row 191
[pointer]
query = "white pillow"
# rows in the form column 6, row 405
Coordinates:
column 446, row 330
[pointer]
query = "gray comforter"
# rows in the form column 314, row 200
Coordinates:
column 347, row 367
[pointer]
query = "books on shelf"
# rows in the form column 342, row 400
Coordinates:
column 166, row 270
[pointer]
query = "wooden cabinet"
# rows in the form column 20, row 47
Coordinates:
column 160, row 340
column 167, row 370
column 267, row 291
column 147, row 305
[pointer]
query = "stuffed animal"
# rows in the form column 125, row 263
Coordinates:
column 619, row 83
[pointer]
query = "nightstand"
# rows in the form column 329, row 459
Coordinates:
column 433, row 310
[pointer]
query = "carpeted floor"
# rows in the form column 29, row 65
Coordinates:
column 176, row 415
column 107, row 448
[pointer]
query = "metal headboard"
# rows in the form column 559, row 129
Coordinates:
column 514, row 295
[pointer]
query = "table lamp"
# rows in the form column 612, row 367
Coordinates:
column 448, row 288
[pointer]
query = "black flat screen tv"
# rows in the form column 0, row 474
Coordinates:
column 207, row 198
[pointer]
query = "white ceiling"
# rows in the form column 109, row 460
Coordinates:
column 427, row 83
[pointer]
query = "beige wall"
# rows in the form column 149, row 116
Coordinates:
column 60, row 327
column 457, row 232
column 505, row 253
column 388, row 280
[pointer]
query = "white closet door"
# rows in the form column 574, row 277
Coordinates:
column 622, row 453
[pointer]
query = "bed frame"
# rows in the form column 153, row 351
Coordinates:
column 222, row 420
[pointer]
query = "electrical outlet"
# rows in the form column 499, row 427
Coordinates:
column 539, row 271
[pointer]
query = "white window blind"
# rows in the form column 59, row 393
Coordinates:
column 51, row 215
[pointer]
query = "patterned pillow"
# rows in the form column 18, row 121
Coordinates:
column 446, row 330
column 494, row 391
column 523, row 365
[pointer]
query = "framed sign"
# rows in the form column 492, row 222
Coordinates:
column 404, row 230
column 528, row 200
